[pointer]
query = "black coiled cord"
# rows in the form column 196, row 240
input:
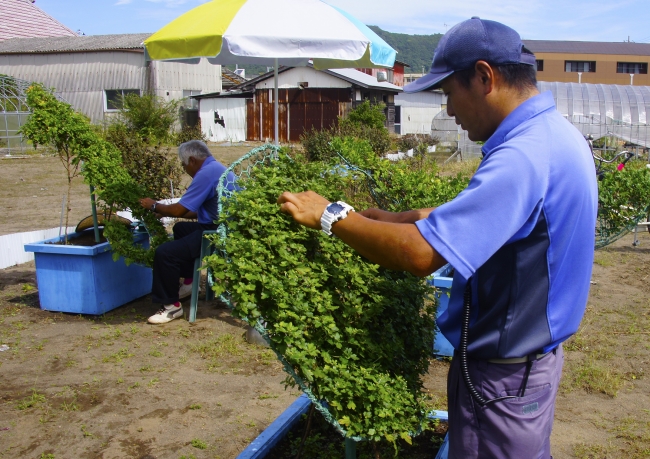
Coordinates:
column 464, row 334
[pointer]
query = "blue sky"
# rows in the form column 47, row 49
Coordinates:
column 611, row 20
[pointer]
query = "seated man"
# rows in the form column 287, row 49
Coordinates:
column 175, row 259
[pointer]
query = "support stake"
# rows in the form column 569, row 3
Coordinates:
column 94, row 209
column 350, row 448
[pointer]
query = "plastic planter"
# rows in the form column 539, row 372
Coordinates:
column 264, row 443
column 86, row 280
column 442, row 280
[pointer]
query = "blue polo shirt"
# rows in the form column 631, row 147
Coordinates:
column 523, row 232
column 201, row 196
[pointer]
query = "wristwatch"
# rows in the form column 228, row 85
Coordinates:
column 153, row 207
column 333, row 213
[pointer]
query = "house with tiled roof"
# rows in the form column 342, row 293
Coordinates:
column 23, row 19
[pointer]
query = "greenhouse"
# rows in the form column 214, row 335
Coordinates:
column 599, row 110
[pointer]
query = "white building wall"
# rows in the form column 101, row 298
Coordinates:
column 172, row 78
column 233, row 111
column 81, row 78
column 316, row 79
column 418, row 110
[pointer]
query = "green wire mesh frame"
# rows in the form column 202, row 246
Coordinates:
column 606, row 233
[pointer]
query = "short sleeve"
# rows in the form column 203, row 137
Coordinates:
column 500, row 205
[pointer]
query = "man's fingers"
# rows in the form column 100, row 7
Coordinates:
column 288, row 208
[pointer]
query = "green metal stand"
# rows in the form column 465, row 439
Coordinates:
column 350, row 449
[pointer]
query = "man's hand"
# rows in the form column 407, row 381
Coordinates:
column 306, row 208
column 147, row 203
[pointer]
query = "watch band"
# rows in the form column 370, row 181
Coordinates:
column 333, row 213
column 153, row 207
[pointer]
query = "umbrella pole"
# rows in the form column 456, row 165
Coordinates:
column 275, row 102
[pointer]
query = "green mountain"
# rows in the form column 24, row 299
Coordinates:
column 415, row 50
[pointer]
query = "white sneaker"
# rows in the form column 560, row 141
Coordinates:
column 166, row 314
column 184, row 291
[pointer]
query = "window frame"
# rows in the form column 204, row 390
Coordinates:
column 124, row 92
column 642, row 67
column 539, row 65
column 591, row 66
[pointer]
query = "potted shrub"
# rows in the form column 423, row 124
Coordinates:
column 86, row 279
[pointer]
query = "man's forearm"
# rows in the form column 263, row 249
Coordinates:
column 410, row 216
column 398, row 246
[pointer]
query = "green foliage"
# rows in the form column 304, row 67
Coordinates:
column 153, row 166
column 415, row 141
column 316, row 144
column 149, row 116
column 358, row 335
column 622, row 199
column 414, row 50
column 413, row 183
column 367, row 114
column 188, row 133
column 365, row 122
column 79, row 144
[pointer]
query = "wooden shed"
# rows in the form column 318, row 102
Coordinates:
column 308, row 98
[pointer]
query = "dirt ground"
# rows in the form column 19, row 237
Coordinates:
column 115, row 387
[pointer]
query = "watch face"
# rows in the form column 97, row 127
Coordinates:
column 335, row 208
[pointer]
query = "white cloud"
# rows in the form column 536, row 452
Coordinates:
column 123, row 2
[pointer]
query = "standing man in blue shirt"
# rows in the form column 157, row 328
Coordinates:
column 520, row 238
column 175, row 259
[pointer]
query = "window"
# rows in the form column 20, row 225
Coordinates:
column 114, row 97
column 580, row 66
column 540, row 65
column 632, row 67
column 191, row 104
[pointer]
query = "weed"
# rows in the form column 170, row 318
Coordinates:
column 146, row 368
column 120, row 380
column 266, row 395
column 72, row 406
column 85, row 432
column 134, row 386
column 189, row 456
column 156, row 353
column 118, row 356
column 200, row 444
column 32, row 401
column 47, row 456
column 153, row 382
column 185, row 333
column 195, row 406
column 592, row 377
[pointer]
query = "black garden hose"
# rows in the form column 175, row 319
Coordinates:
column 464, row 333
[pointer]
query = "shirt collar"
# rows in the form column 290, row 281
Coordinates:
column 528, row 109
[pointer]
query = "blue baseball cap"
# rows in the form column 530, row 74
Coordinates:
column 470, row 41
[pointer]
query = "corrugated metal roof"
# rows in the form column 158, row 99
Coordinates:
column 350, row 75
column 363, row 79
column 73, row 44
column 588, row 47
column 20, row 18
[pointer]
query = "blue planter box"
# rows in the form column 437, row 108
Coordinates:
column 86, row 280
column 442, row 280
column 264, row 443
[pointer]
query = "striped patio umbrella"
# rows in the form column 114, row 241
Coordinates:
column 271, row 32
